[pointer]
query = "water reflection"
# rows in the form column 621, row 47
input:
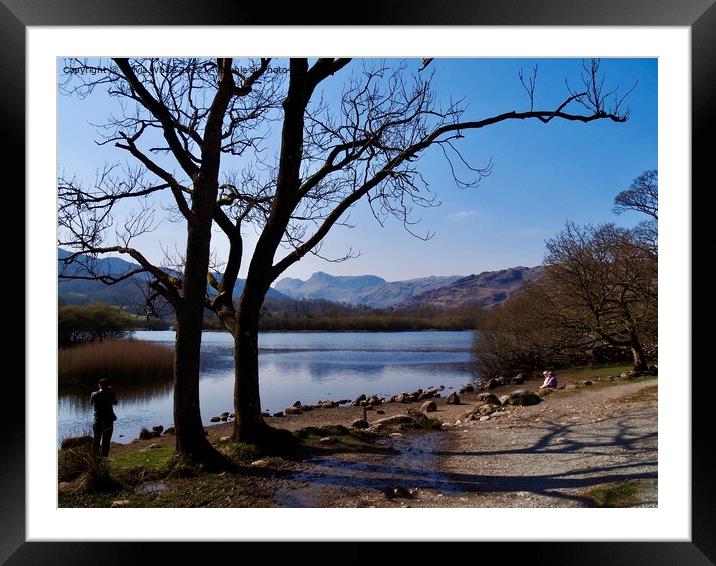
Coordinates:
column 293, row 366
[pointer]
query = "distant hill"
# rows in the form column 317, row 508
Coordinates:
column 487, row 289
column 369, row 290
column 124, row 293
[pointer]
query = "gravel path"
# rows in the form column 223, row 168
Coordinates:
column 546, row 455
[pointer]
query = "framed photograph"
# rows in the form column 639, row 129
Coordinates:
column 669, row 46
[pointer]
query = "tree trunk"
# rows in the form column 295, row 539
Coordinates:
column 190, row 439
column 249, row 425
column 638, row 354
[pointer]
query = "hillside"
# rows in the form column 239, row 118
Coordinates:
column 124, row 293
column 369, row 290
column 487, row 289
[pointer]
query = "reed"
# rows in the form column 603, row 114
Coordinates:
column 120, row 361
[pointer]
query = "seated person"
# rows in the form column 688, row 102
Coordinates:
column 550, row 381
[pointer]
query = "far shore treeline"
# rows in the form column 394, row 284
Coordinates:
column 95, row 321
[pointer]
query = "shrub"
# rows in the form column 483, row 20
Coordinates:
column 89, row 323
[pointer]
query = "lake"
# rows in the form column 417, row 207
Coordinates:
column 293, row 366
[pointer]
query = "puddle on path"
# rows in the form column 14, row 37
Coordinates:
column 153, row 487
column 415, row 465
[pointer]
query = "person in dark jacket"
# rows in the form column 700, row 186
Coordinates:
column 103, row 400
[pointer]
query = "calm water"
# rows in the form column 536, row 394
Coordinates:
column 305, row 366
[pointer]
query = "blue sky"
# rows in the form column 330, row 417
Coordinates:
column 542, row 176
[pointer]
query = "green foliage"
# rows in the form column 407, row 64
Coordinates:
column 89, row 323
column 120, row 361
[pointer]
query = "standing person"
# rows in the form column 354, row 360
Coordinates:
column 550, row 380
column 104, row 417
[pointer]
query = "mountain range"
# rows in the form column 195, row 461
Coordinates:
column 126, row 292
column 368, row 290
column 487, row 289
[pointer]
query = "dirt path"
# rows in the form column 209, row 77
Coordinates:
column 546, row 455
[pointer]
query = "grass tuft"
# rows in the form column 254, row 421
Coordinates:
column 622, row 494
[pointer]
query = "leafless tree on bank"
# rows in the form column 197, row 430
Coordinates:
column 332, row 153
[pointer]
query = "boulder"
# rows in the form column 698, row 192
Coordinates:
column 429, row 407
column 306, row 408
column 225, row 414
column 488, row 398
column 360, row 423
column 504, row 399
column 225, row 418
column 453, row 399
column 359, row 399
column 374, row 400
column 519, row 379
column 402, row 398
column 297, row 404
column 223, row 439
column 491, row 384
column 293, row 411
column 278, row 414
column 417, row 416
column 145, row 434
column 157, row 430
column 327, row 404
column 470, row 414
column 170, row 430
column 465, row 388
column 487, row 409
column 232, row 416
column 425, row 395
column 120, row 503
column 524, row 397
column 546, row 391
column 265, row 414
column 394, row 420
column 215, row 419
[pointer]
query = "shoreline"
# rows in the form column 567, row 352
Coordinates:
column 502, row 460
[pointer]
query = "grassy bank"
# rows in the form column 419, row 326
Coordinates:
column 121, row 361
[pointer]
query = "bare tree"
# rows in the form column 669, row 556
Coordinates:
column 188, row 113
column 603, row 282
column 364, row 144
column 641, row 196
column 527, row 333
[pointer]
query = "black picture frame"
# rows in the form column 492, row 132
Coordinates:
column 699, row 15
